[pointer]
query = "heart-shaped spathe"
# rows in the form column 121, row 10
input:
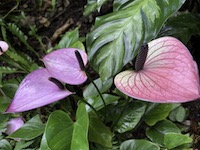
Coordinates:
column 169, row 75
column 64, row 65
column 36, row 90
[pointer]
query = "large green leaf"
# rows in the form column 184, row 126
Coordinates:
column 93, row 5
column 117, row 36
column 157, row 112
column 138, row 145
column 97, row 102
column 58, row 131
column 90, row 90
column 131, row 116
column 79, row 139
column 172, row 140
column 5, row 145
column 98, row 132
column 157, row 132
column 182, row 26
column 30, row 129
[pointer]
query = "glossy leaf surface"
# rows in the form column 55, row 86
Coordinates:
column 79, row 139
column 64, row 65
column 30, row 130
column 36, row 91
column 130, row 117
column 169, row 75
column 138, row 145
column 156, row 112
column 58, row 131
column 117, row 36
column 98, row 132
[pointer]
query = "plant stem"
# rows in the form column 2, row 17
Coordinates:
column 91, row 80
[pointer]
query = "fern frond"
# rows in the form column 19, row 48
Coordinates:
column 7, row 70
column 23, row 38
column 23, row 145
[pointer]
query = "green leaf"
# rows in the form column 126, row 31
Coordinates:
column 157, row 112
column 117, row 36
column 182, row 26
column 131, row 116
column 98, row 132
column 44, row 145
column 172, row 140
column 7, row 70
column 5, row 145
column 138, row 145
column 30, row 130
column 9, row 89
column 97, row 102
column 68, row 39
column 157, row 132
column 23, row 38
column 93, row 5
column 90, row 90
column 179, row 114
column 58, row 131
column 79, row 139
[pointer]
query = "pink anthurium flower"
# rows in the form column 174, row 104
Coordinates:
column 3, row 47
column 36, row 90
column 14, row 124
column 64, row 65
column 169, row 74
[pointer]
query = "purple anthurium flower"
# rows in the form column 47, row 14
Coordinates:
column 3, row 47
column 64, row 65
column 36, row 90
column 14, row 124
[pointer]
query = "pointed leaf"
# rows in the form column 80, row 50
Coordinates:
column 172, row 140
column 98, row 132
column 138, row 145
column 30, row 130
column 64, row 66
column 157, row 112
column 131, row 117
column 170, row 74
column 36, row 91
column 58, row 131
column 79, row 139
column 117, row 36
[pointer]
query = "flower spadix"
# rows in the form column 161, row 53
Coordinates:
column 3, row 47
column 64, row 65
column 36, row 90
column 169, row 74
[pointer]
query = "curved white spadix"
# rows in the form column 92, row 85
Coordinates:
column 169, row 75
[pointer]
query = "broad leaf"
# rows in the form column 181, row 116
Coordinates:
column 131, row 116
column 5, row 145
column 157, row 132
column 79, row 139
column 30, row 130
column 58, row 131
column 182, row 26
column 138, row 145
column 97, row 103
column 117, row 36
column 157, row 112
column 98, row 132
column 172, row 140
column 90, row 90
column 93, row 5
